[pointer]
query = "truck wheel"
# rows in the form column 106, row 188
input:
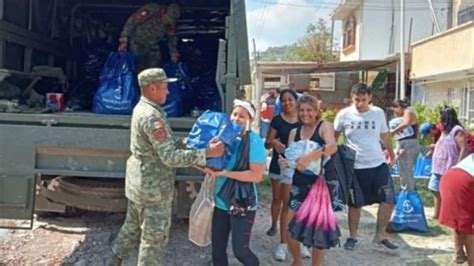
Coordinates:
column 101, row 195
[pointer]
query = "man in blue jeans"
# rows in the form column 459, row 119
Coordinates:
column 363, row 126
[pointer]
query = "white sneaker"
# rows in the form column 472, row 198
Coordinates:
column 281, row 252
column 305, row 253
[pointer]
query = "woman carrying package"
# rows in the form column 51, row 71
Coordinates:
column 313, row 128
column 404, row 128
column 225, row 220
column 277, row 139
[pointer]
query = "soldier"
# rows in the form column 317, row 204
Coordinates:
column 150, row 173
column 144, row 30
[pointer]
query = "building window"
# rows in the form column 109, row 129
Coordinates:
column 349, row 35
column 314, row 83
column 271, row 82
column 470, row 107
column 322, row 82
column 466, row 15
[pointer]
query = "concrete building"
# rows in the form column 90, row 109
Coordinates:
column 330, row 82
column 443, row 70
column 371, row 28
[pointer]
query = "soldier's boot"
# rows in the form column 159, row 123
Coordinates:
column 114, row 261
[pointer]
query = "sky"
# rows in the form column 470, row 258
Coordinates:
column 279, row 22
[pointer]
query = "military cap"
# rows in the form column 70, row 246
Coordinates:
column 151, row 75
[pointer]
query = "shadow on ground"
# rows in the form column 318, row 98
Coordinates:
column 100, row 230
column 95, row 249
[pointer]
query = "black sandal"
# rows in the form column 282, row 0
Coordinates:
column 272, row 231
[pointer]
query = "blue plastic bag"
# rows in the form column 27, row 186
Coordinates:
column 211, row 125
column 422, row 166
column 179, row 100
column 118, row 90
column 409, row 214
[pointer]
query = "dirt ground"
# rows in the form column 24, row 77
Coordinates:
column 87, row 240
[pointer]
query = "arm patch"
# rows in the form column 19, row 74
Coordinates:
column 158, row 130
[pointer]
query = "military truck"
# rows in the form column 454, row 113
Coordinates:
column 75, row 160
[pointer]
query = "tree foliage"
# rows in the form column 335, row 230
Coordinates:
column 313, row 46
column 281, row 53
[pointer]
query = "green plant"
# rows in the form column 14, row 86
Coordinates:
column 430, row 115
column 329, row 115
column 421, row 186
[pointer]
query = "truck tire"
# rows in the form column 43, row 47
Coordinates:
column 100, row 188
column 99, row 195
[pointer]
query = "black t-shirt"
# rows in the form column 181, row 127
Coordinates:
column 283, row 130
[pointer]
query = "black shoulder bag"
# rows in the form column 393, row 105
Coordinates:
column 239, row 196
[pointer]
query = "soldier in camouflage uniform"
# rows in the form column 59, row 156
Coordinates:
column 149, row 182
column 144, row 30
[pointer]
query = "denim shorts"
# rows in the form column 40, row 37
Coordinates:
column 287, row 180
column 434, row 182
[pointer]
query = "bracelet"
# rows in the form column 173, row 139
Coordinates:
column 323, row 150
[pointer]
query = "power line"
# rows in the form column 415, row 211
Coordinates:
column 260, row 14
column 332, row 6
column 264, row 16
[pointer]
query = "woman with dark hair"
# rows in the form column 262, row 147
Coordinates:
column 277, row 139
column 404, row 128
column 449, row 150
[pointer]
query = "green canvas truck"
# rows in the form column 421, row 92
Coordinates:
column 75, row 160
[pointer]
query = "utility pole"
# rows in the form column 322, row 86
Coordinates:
column 402, row 50
column 433, row 15
column 332, row 38
column 257, row 92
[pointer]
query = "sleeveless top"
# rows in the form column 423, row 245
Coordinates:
column 446, row 152
column 300, row 179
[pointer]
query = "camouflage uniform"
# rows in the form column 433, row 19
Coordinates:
column 144, row 30
column 149, row 179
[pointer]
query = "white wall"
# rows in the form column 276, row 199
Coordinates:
column 376, row 26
